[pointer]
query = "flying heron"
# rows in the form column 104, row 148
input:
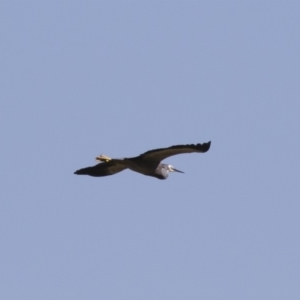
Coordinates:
column 148, row 163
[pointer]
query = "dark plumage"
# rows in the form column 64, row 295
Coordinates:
column 148, row 163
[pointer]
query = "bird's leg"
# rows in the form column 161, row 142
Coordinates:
column 102, row 157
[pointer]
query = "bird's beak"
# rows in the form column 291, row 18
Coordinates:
column 177, row 170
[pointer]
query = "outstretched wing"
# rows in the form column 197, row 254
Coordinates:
column 104, row 169
column 161, row 154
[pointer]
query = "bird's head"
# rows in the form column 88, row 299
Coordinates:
column 172, row 169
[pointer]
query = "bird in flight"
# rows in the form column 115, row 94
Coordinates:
column 148, row 163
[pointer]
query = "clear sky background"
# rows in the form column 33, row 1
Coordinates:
column 80, row 78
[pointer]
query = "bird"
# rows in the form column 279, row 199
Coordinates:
column 148, row 163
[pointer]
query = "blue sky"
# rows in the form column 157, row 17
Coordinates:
column 80, row 78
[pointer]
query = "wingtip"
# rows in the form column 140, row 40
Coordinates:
column 206, row 146
column 80, row 172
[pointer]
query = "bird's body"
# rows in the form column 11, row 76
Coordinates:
column 148, row 163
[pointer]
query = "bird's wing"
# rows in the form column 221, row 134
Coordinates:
column 104, row 169
column 161, row 154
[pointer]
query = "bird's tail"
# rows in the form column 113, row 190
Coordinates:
column 103, row 158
